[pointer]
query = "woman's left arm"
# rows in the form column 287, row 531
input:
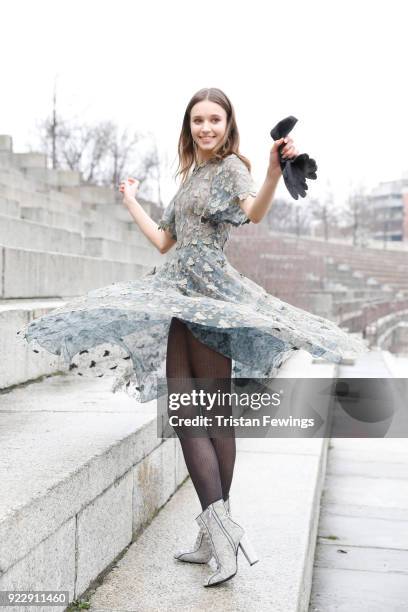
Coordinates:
column 257, row 207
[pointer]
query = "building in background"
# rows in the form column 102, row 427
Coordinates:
column 389, row 201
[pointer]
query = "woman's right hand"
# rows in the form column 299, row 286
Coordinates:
column 129, row 189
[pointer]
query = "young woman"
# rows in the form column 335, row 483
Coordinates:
column 195, row 316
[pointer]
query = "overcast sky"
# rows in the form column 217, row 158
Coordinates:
column 339, row 67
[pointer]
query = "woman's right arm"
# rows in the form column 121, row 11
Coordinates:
column 161, row 239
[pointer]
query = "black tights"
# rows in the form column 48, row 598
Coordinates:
column 210, row 460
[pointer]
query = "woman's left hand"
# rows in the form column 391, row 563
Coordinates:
column 289, row 151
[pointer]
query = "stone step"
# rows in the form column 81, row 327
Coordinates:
column 106, row 201
column 349, row 294
column 10, row 208
column 95, row 194
column 14, row 177
column 58, row 179
column 28, row 273
column 372, row 294
column 351, row 283
column 30, row 160
column 22, row 233
column 122, row 251
column 54, row 218
column 52, row 200
column 27, row 198
column 133, row 235
column 110, row 230
column 88, row 222
column 91, row 222
column 372, row 277
column 18, row 364
column 119, row 210
column 105, row 215
column 83, row 467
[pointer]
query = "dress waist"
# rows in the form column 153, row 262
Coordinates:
column 205, row 243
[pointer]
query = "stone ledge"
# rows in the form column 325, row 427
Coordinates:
column 101, row 475
column 27, row 273
column 24, row 366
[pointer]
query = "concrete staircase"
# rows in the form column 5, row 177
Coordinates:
column 88, row 484
column 50, row 222
column 83, row 470
column 58, row 239
column 67, row 450
column 86, row 477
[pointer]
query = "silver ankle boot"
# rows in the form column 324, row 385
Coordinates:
column 201, row 551
column 226, row 538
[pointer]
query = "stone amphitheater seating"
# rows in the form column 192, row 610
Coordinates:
column 58, row 239
column 349, row 285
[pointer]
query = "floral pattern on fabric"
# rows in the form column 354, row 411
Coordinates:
column 168, row 220
column 121, row 330
column 231, row 183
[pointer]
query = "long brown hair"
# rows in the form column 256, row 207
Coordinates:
column 229, row 144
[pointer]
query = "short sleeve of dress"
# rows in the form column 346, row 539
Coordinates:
column 168, row 219
column 232, row 182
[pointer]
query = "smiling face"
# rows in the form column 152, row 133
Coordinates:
column 208, row 122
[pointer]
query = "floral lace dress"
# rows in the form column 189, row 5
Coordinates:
column 121, row 330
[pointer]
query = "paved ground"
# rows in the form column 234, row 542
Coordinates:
column 272, row 499
column 361, row 562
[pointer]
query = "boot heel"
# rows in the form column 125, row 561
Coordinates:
column 248, row 550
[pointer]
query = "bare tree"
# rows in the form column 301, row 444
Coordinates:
column 53, row 126
column 324, row 211
column 303, row 217
column 148, row 170
column 359, row 215
column 290, row 216
column 85, row 148
column 101, row 152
